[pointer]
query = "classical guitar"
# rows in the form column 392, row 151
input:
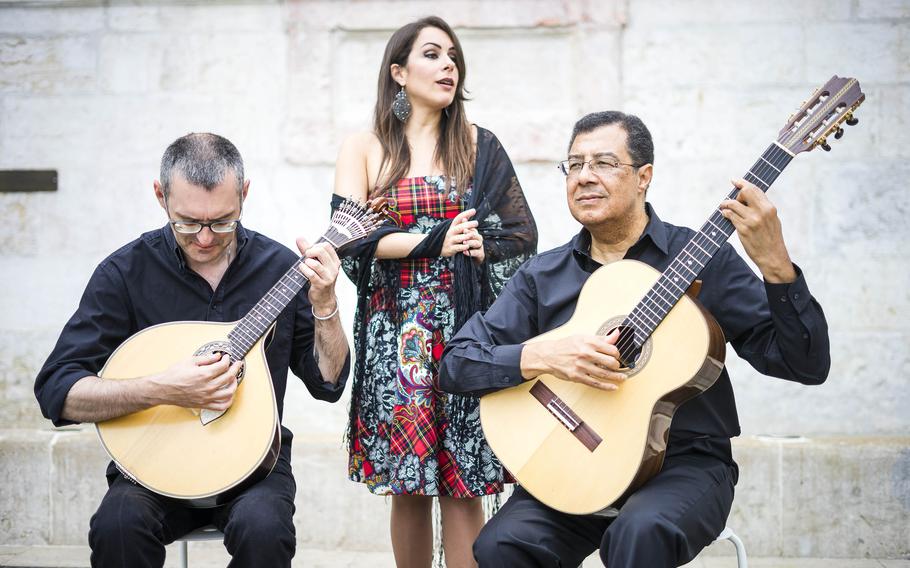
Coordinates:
column 202, row 456
column 578, row 449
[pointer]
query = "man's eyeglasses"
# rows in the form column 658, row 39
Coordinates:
column 598, row 166
column 194, row 227
column 191, row 228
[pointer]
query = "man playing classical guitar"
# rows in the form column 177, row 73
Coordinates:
column 775, row 325
column 203, row 265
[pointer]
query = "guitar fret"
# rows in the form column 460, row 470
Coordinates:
column 349, row 222
column 657, row 299
column 245, row 327
column 245, row 334
column 637, row 320
column 652, row 322
column 654, row 295
column 715, row 243
column 769, row 163
column 660, row 282
column 257, row 314
column 686, row 267
column 692, row 242
column 718, row 228
column 278, row 290
column 330, row 240
column 678, row 275
column 693, row 257
column 681, row 271
column 757, row 180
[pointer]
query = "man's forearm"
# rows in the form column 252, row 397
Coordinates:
column 92, row 399
column 331, row 348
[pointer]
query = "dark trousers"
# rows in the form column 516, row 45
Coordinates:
column 666, row 523
column 132, row 524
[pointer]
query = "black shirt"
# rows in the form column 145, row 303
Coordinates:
column 147, row 282
column 778, row 328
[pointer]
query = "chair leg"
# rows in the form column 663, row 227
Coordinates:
column 741, row 560
column 182, row 554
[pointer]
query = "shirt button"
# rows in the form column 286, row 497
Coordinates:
column 504, row 380
column 783, row 299
column 805, row 336
column 796, row 296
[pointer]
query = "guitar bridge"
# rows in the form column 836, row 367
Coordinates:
column 566, row 416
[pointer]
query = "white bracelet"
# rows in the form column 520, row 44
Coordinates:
column 328, row 317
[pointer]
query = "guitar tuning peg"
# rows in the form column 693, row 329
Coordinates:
column 852, row 120
column 826, row 147
column 838, row 133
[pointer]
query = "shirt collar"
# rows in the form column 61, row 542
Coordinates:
column 240, row 234
column 655, row 231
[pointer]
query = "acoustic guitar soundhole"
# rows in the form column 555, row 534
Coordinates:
column 633, row 357
column 221, row 348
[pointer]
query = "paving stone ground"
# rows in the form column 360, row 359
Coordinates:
column 211, row 555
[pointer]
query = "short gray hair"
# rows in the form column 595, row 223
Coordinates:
column 204, row 159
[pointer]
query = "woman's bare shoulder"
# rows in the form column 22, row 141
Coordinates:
column 361, row 143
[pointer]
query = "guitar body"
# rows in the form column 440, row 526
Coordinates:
column 166, row 448
column 681, row 359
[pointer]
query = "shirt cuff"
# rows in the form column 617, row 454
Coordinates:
column 790, row 297
column 509, row 358
column 57, row 396
column 322, row 389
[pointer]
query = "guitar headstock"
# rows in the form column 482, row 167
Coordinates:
column 353, row 220
column 822, row 115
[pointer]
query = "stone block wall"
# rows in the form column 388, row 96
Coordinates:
column 97, row 89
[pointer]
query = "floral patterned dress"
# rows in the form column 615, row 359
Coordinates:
column 406, row 436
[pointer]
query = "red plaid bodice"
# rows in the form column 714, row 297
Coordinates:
column 423, row 202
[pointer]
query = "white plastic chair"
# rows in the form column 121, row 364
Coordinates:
column 728, row 534
column 208, row 532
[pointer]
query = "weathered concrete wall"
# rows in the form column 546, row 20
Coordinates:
column 97, row 90
column 831, row 497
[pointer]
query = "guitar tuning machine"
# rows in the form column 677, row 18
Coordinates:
column 838, row 132
column 851, row 120
column 823, row 142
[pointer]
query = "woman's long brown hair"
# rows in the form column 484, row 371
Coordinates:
column 454, row 148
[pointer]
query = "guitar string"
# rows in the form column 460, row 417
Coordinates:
column 763, row 170
column 250, row 328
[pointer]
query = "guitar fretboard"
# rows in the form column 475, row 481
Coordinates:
column 688, row 264
column 261, row 317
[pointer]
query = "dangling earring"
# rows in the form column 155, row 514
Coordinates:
column 401, row 106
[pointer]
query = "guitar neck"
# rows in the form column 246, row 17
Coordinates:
column 688, row 264
column 261, row 317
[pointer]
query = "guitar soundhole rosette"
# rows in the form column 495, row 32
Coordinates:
column 221, row 348
column 644, row 354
